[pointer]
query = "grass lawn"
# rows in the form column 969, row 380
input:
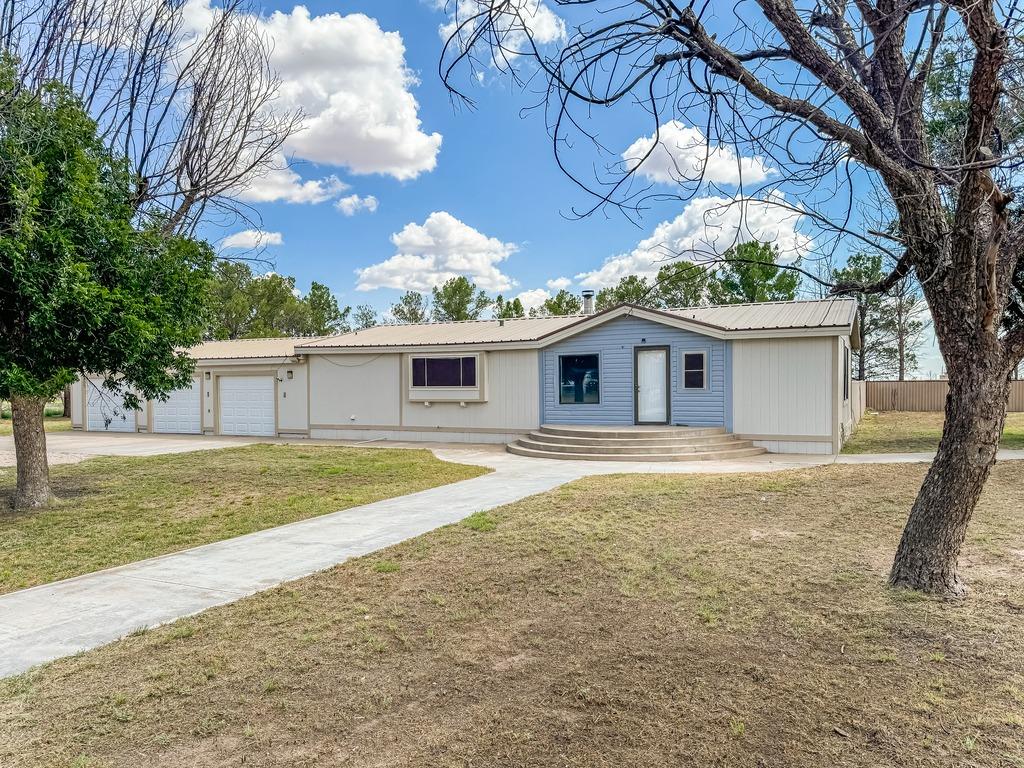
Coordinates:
column 116, row 510
column 652, row 621
column 913, row 431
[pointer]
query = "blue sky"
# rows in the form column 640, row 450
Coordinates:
column 365, row 74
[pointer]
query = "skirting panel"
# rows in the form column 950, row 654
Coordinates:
column 795, row 446
column 433, row 436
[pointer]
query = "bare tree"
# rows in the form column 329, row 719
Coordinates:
column 187, row 97
column 833, row 94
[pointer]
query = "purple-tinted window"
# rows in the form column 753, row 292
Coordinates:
column 444, row 371
column 419, row 372
column 469, row 371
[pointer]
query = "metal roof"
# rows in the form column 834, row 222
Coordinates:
column 463, row 332
column 245, row 349
column 775, row 315
column 766, row 316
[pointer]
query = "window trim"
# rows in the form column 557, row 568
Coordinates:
column 476, row 393
column 847, row 372
column 703, row 352
column 558, row 377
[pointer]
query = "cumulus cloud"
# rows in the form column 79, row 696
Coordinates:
column 707, row 227
column 683, row 154
column 440, row 248
column 350, row 78
column 534, row 298
column 559, row 283
column 516, row 20
column 282, row 184
column 353, row 204
column 252, row 238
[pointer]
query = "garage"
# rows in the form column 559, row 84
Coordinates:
column 246, row 406
column 105, row 410
column 180, row 413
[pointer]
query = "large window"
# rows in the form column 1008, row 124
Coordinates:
column 695, row 373
column 580, row 379
column 846, row 372
column 444, row 371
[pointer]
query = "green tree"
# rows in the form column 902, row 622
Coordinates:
column 458, row 299
column 86, row 288
column 877, row 355
column 562, row 303
column 682, row 284
column 508, row 309
column 325, row 316
column 750, row 273
column 364, row 317
column 276, row 309
column 631, row 289
column 412, row 307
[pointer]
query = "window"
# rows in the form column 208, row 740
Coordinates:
column 580, row 379
column 444, row 371
column 695, row 370
column 846, row 372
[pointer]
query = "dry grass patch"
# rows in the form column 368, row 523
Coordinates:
column 117, row 510
column 619, row 621
column 916, row 431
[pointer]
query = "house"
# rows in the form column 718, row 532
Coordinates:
column 776, row 375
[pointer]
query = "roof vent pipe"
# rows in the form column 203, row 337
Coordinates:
column 588, row 302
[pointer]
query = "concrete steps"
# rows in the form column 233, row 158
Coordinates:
column 633, row 444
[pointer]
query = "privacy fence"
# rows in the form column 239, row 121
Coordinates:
column 922, row 395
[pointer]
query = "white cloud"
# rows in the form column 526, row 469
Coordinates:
column 350, row 78
column 440, row 248
column 252, row 238
column 559, row 283
column 706, row 228
column 281, row 183
column 681, row 154
column 516, row 18
column 352, row 204
column 534, row 298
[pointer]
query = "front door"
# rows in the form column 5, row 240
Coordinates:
column 650, row 373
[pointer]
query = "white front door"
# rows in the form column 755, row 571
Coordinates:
column 247, row 405
column 105, row 410
column 652, row 386
column 180, row 413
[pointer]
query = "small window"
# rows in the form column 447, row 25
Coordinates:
column 444, row 371
column 695, row 370
column 580, row 379
column 846, row 372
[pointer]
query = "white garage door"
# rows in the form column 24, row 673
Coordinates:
column 180, row 413
column 106, row 411
column 247, row 405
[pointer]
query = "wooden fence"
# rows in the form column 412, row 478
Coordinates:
column 923, row 395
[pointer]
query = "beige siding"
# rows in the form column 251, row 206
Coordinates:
column 77, row 403
column 292, row 404
column 924, row 395
column 353, row 390
column 858, row 395
column 783, row 387
column 512, row 399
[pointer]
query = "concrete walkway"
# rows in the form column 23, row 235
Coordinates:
column 65, row 617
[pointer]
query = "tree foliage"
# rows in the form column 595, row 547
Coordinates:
column 87, row 287
column 458, row 299
column 750, row 273
column 508, row 309
column 246, row 305
column 561, row 304
column 412, row 307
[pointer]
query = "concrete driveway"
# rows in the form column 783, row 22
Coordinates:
column 72, row 447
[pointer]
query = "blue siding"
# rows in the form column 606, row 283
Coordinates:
column 614, row 341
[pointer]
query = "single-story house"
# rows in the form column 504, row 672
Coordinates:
column 776, row 374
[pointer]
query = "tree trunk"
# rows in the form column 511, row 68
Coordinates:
column 975, row 412
column 30, row 452
column 67, row 402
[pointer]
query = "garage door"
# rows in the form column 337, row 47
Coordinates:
column 106, row 411
column 180, row 413
column 247, row 405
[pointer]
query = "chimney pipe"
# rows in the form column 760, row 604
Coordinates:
column 588, row 302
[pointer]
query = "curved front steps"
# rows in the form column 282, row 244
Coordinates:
column 633, row 444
